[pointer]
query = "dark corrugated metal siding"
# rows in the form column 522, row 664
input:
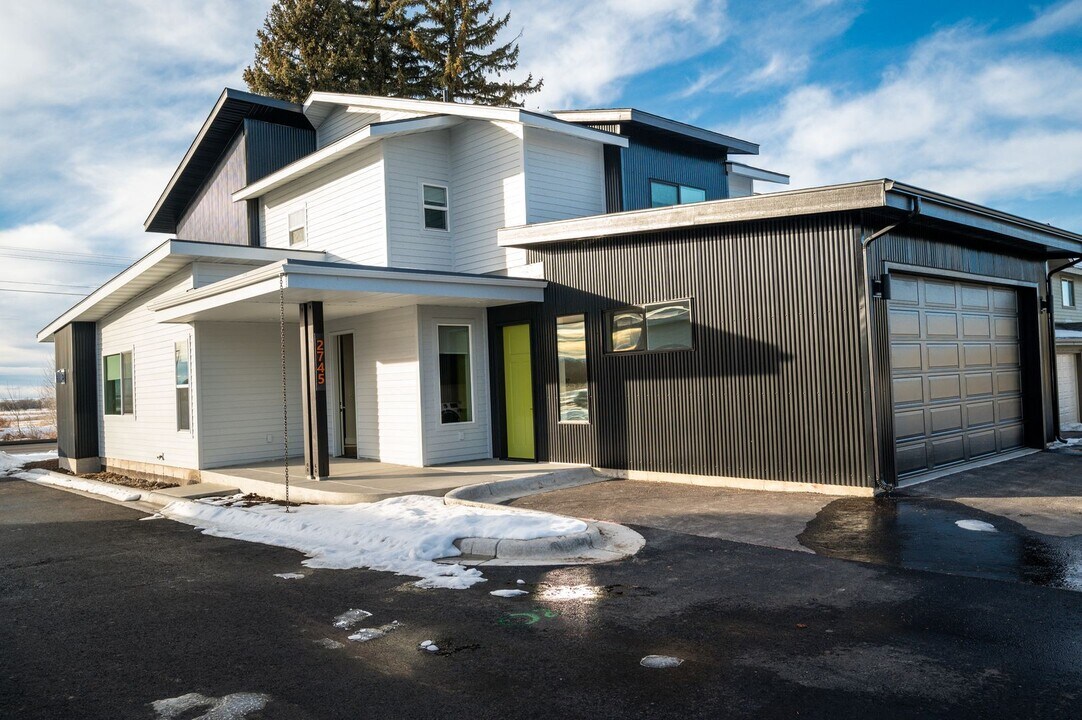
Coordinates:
column 271, row 147
column 642, row 162
column 212, row 215
column 772, row 389
column 77, row 397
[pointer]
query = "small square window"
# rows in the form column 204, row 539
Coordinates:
column 298, row 221
column 1067, row 291
column 435, row 206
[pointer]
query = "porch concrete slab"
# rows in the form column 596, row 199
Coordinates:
column 197, row 490
column 357, row 480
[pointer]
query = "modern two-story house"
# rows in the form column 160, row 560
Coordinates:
column 423, row 283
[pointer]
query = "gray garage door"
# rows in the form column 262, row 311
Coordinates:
column 955, row 372
column 1067, row 380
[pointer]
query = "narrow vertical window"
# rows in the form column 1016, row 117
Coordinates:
column 456, row 399
column 571, row 366
column 298, row 226
column 118, row 387
column 435, row 206
column 1067, row 291
column 182, row 362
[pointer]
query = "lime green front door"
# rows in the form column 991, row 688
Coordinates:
column 518, row 391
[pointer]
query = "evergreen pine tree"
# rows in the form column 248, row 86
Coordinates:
column 456, row 38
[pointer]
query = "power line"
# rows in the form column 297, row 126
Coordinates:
column 60, row 285
column 125, row 258
column 68, row 261
column 43, row 292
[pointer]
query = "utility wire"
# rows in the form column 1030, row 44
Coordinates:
column 68, row 261
column 41, row 284
column 124, row 258
column 43, row 292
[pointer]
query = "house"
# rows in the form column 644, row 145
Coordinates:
column 592, row 286
column 376, row 217
column 1067, row 312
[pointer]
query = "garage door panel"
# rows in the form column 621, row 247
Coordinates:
column 1067, row 372
column 955, row 372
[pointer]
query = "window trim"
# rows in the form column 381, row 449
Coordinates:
column 679, row 192
column 425, row 206
column 187, row 343
column 1067, row 286
column 608, row 313
column 104, row 357
column 574, row 317
column 439, row 383
column 303, row 226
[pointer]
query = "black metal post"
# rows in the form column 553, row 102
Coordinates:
column 314, row 391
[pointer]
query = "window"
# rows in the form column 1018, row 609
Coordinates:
column 456, row 394
column 435, row 207
column 663, row 194
column 298, row 222
column 653, row 327
column 1067, row 291
column 182, row 358
column 118, row 384
column 571, row 363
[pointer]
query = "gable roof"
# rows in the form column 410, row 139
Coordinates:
column 213, row 139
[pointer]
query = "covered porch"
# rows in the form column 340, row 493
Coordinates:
column 394, row 320
column 358, row 480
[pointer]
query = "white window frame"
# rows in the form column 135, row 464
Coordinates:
column 187, row 342
column 425, row 206
column 473, row 383
column 290, row 227
column 1067, row 286
column 108, row 354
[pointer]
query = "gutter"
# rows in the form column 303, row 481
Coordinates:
column 865, row 243
column 1056, row 429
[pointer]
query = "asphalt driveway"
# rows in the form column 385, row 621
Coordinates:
column 106, row 614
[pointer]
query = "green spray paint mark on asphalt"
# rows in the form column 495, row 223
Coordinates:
column 530, row 617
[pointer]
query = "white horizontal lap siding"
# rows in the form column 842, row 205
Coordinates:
column 240, row 391
column 488, row 193
column 208, row 273
column 345, row 209
column 565, row 177
column 454, row 442
column 411, row 161
column 341, row 123
column 150, row 434
column 387, row 378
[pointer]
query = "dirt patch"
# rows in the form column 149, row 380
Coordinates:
column 253, row 499
column 117, row 479
column 53, row 465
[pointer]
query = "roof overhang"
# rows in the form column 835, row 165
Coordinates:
column 344, row 289
column 161, row 262
column 349, row 144
column 213, row 139
column 615, row 116
column 884, row 195
column 748, row 171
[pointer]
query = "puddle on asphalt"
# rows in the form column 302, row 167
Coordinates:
column 939, row 536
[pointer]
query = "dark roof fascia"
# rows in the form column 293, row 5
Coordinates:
column 666, row 126
column 215, row 137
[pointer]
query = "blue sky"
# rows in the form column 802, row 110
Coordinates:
column 978, row 99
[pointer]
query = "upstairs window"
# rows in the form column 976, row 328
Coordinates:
column 434, row 206
column 663, row 194
column 650, row 328
column 182, row 362
column 117, row 372
column 1067, row 291
column 298, row 222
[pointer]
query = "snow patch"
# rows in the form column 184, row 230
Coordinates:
column 234, row 706
column 508, row 593
column 976, row 525
column 116, row 492
column 10, row 462
column 366, row 634
column 520, row 581
column 350, row 618
column 289, row 576
column 660, row 661
column 404, row 535
column 155, row 516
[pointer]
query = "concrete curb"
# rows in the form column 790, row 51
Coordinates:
column 600, row 542
column 157, row 498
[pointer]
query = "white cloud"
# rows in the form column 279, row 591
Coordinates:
column 585, row 51
column 967, row 112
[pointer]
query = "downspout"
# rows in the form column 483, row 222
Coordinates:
column 865, row 243
column 1049, row 299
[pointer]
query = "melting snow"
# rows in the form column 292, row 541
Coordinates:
column 14, row 461
column 289, row 576
column 228, row 707
column 116, row 492
column 508, row 593
column 660, row 661
column 350, row 618
column 366, row 634
column 404, row 535
column 976, row 525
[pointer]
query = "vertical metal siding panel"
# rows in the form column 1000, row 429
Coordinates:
column 643, row 161
column 212, row 216
column 271, row 147
column 777, row 346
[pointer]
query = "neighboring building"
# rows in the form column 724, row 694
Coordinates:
column 595, row 286
column 1067, row 310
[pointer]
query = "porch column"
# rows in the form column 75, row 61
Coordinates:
column 314, row 391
